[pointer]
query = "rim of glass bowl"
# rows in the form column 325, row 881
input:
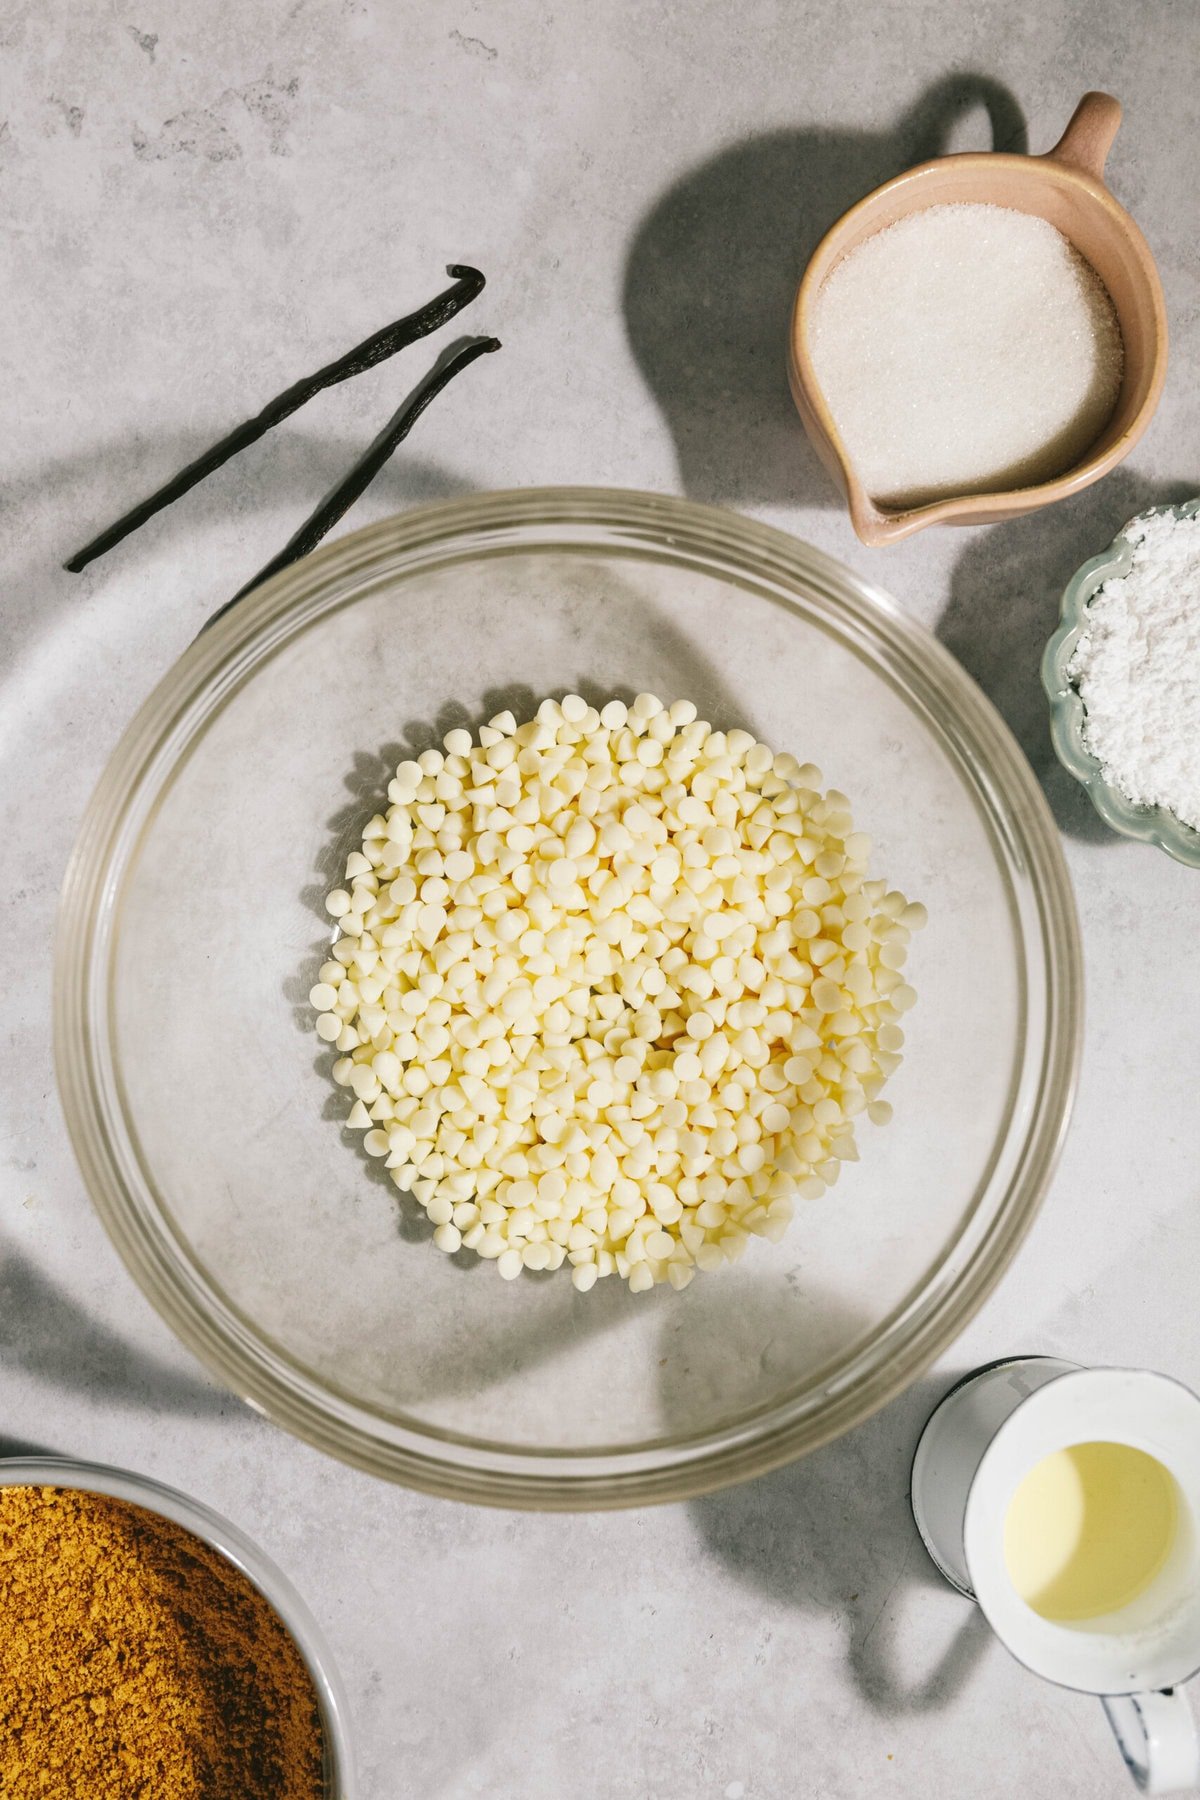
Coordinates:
column 237, row 1548
column 1148, row 824
column 759, row 559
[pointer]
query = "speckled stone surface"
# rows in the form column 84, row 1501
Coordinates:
column 199, row 203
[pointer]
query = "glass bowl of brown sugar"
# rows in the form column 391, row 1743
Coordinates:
column 158, row 1649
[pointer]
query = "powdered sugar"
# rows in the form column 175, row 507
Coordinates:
column 1137, row 668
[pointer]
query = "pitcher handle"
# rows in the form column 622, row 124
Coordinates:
column 1089, row 135
column 1156, row 1734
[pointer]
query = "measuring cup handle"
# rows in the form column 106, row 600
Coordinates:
column 1086, row 142
column 1156, row 1734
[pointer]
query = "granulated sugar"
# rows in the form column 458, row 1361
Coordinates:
column 1137, row 668
column 965, row 349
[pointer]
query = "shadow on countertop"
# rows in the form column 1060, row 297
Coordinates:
column 1003, row 607
column 11, row 1447
column 49, row 1335
column 713, row 269
column 832, row 1534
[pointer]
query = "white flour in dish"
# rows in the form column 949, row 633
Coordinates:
column 1137, row 668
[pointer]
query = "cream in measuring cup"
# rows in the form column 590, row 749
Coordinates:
column 1066, row 1502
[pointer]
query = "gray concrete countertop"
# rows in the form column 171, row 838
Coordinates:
column 198, row 204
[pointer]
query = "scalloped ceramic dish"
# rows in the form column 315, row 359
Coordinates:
column 1149, row 824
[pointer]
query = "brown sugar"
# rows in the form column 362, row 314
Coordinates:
column 137, row 1663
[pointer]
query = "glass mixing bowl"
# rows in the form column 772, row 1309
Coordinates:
column 198, row 1096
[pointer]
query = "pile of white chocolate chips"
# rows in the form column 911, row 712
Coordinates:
column 611, row 988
